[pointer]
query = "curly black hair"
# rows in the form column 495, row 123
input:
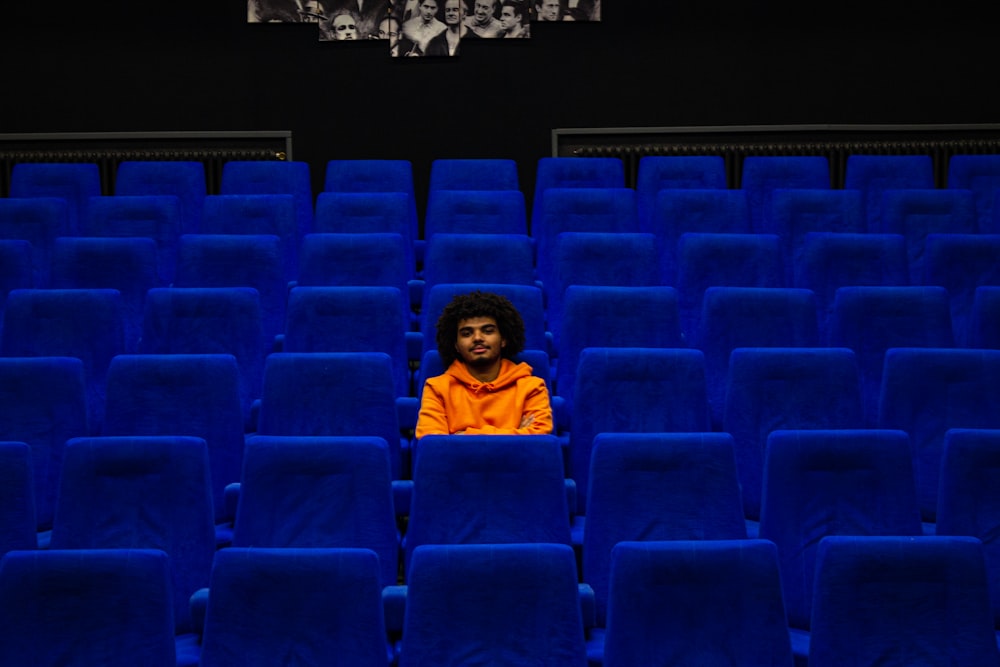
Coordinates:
column 479, row 304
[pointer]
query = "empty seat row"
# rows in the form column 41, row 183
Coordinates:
column 825, row 483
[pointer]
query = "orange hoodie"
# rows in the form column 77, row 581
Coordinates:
column 456, row 401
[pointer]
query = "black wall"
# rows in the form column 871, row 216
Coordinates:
column 196, row 66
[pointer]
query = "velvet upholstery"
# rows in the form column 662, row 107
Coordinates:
column 595, row 258
column 332, row 394
column 486, row 489
column 874, row 174
column 39, row 221
column 237, row 260
column 870, row 320
column 270, row 214
column 610, row 316
column 511, row 604
column 967, row 502
column 657, row 486
column 733, row 317
column 86, row 607
column 670, row 172
column 364, row 212
column 572, row 172
column 917, row 213
column 703, row 211
column 318, row 492
column 294, row 606
column 722, row 260
column 210, row 320
column 901, row 601
column 771, row 388
column 43, row 401
column 127, row 264
column 362, row 259
column 369, row 176
column 273, row 177
column 712, row 602
column 17, row 498
column 762, row 175
column 475, row 211
column 580, row 209
column 831, row 482
column 83, row 323
column 15, row 269
column 979, row 174
column 74, row 182
column 474, row 174
column 157, row 217
column 185, row 179
column 961, row 263
column 181, row 395
column 795, row 212
column 641, row 390
column 984, row 320
column 926, row 392
column 831, row 260
column 350, row 319
column 470, row 258
column 142, row 492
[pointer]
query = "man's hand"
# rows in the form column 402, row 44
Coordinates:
column 526, row 420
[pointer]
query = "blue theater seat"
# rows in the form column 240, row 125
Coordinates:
column 73, row 182
column 633, row 390
column 831, row 482
column 142, row 492
column 926, row 392
column 44, row 403
column 901, row 600
column 772, row 388
column 714, row 601
column 108, row 607
column 272, row 177
column 300, row 492
column 185, row 179
column 762, row 175
column 316, row 604
column 874, row 174
column 653, row 487
column 670, row 172
column 479, row 603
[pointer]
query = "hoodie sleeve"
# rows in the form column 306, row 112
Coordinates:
column 536, row 406
column 433, row 418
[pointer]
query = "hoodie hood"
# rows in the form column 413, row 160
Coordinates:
column 510, row 373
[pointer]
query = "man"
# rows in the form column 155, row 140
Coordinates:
column 425, row 26
column 343, row 26
column 446, row 43
column 388, row 28
column 367, row 12
column 482, row 22
column 512, row 19
column 549, row 10
column 483, row 391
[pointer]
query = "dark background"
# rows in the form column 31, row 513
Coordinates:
column 199, row 66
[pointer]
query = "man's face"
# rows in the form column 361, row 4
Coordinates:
column 428, row 8
column 453, row 12
column 388, row 29
column 483, row 10
column 508, row 19
column 548, row 10
column 479, row 342
column 344, row 28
